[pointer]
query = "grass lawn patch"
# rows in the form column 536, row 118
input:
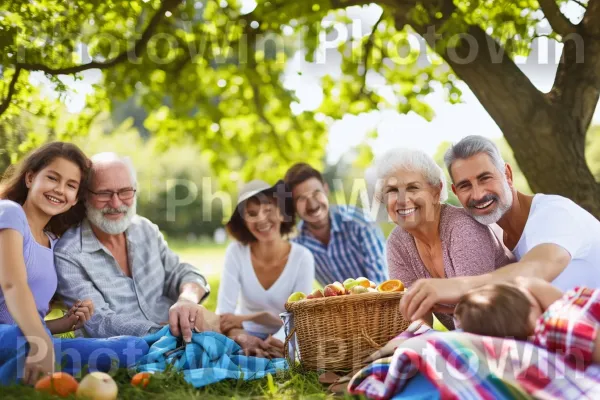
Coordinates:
column 171, row 386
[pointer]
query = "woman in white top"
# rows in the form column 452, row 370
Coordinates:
column 262, row 268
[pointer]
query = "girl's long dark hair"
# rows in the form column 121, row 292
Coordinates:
column 13, row 186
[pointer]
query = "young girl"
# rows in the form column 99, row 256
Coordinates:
column 39, row 201
column 565, row 323
column 262, row 268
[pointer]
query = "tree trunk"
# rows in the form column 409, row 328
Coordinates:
column 546, row 131
column 552, row 158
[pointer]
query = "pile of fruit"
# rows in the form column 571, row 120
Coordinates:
column 94, row 386
column 350, row 287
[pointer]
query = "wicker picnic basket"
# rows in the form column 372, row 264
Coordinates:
column 338, row 333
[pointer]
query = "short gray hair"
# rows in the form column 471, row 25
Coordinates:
column 412, row 160
column 470, row 146
column 108, row 157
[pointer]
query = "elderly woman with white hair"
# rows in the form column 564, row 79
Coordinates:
column 432, row 239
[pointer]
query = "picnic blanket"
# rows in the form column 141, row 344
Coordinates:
column 467, row 366
column 209, row 358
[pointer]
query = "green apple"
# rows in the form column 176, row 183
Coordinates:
column 359, row 290
column 350, row 283
column 297, row 296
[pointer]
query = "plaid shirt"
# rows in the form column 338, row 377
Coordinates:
column 123, row 306
column 570, row 326
column 356, row 248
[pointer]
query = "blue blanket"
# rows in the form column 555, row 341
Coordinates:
column 210, row 357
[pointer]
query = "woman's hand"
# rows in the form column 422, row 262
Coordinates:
column 251, row 345
column 231, row 321
column 276, row 347
column 40, row 360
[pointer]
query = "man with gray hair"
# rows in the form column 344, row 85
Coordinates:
column 122, row 263
column 550, row 236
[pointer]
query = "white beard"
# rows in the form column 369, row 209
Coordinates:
column 501, row 208
column 96, row 217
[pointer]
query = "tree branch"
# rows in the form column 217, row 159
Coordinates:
column 368, row 49
column 591, row 19
column 481, row 62
column 135, row 51
column 579, row 3
column 557, row 20
column 261, row 114
column 576, row 87
column 11, row 90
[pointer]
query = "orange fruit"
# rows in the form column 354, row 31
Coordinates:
column 364, row 282
column 392, row 285
column 141, row 379
column 58, row 384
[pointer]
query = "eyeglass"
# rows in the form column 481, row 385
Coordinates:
column 123, row 194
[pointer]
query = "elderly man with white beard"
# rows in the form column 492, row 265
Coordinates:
column 551, row 237
column 122, row 263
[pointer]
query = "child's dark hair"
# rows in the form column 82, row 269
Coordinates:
column 13, row 186
column 500, row 310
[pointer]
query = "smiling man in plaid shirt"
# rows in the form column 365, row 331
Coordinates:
column 345, row 243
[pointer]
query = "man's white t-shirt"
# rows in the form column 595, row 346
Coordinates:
column 239, row 280
column 558, row 220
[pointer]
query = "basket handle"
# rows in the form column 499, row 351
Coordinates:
column 366, row 336
column 286, row 352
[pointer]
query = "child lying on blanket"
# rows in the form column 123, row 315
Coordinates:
column 565, row 323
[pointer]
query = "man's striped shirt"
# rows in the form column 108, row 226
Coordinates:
column 356, row 247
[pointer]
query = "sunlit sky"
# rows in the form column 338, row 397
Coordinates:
column 451, row 122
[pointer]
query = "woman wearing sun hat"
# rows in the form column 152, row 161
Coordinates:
column 262, row 267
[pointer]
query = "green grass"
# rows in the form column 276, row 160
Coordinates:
column 171, row 386
column 293, row 384
column 208, row 258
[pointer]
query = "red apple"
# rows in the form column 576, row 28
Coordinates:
column 340, row 289
column 316, row 294
column 330, row 291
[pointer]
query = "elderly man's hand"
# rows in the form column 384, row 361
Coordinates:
column 183, row 317
column 426, row 294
